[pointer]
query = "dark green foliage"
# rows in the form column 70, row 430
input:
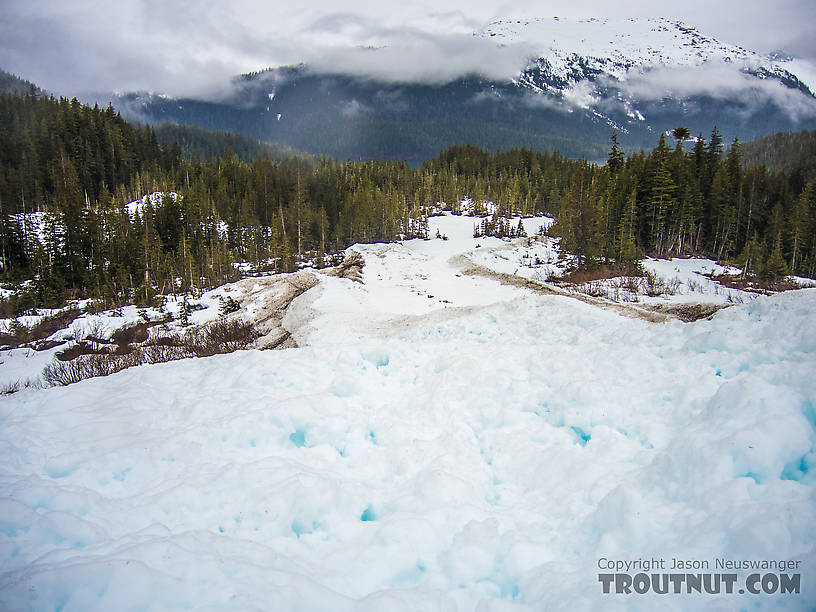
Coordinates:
column 208, row 146
column 792, row 152
column 12, row 84
column 704, row 202
column 228, row 305
column 77, row 167
column 356, row 118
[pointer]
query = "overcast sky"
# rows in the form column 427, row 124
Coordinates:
column 190, row 47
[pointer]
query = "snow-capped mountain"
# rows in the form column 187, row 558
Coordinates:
column 570, row 50
column 615, row 68
column 581, row 80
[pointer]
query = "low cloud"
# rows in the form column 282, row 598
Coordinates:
column 424, row 58
column 194, row 47
column 354, row 109
column 723, row 81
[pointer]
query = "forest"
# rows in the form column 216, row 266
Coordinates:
column 68, row 171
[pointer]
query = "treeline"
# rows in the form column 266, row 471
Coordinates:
column 703, row 201
column 67, row 172
column 11, row 83
column 41, row 137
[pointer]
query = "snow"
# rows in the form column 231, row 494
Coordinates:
column 40, row 227
column 620, row 48
column 155, row 199
column 805, row 71
column 26, row 364
column 438, row 441
column 615, row 45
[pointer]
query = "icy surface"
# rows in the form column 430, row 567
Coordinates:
column 439, row 442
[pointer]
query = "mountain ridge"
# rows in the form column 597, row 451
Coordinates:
column 585, row 79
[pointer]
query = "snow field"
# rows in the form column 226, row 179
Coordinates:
column 479, row 449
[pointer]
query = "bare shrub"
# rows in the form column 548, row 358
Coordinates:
column 62, row 373
column 694, row 285
column 594, row 288
column 631, row 284
column 17, row 385
column 605, row 271
column 78, row 349
column 222, row 336
column 162, row 353
column 654, row 285
column 9, row 388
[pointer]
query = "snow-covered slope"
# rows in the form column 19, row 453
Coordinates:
column 574, row 49
column 438, row 442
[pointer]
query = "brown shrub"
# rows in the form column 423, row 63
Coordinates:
column 219, row 337
column 582, row 275
column 130, row 334
column 79, row 349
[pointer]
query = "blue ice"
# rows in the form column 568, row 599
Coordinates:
column 299, row 528
column 796, row 470
column 298, row 438
column 583, row 437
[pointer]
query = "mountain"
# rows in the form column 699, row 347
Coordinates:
column 585, row 79
column 207, row 145
column 785, row 151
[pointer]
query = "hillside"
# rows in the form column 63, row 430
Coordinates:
column 12, row 84
column 208, row 145
column 586, row 79
column 789, row 151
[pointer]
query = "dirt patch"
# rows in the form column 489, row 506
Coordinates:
column 264, row 302
column 653, row 314
column 81, row 348
column 689, row 312
column 350, row 268
column 47, row 345
column 603, row 272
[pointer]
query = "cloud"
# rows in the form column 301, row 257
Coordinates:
column 194, row 47
column 354, row 109
column 724, row 81
column 426, row 58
